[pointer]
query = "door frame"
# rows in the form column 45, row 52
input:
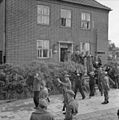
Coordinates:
column 65, row 42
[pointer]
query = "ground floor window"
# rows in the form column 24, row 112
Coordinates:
column 43, row 48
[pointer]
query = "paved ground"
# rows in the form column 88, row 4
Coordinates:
column 89, row 109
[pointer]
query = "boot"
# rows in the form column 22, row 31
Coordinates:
column 105, row 102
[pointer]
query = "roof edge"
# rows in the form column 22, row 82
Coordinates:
column 108, row 8
column 103, row 6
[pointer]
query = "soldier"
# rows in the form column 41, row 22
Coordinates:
column 78, row 84
column 92, row 83
column 105, row 84
column 41, row 112
column 66, row 85
column 72, row 105
column 44, row 91
column 36, row 88
column 99, row 78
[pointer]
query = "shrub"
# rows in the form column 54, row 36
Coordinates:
column 22, row 86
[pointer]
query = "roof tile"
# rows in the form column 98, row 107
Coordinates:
column 92, row 3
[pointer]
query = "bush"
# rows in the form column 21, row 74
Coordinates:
column 22, row 87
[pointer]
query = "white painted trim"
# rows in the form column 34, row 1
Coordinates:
column 59, row 52
column 67, row 42
column 70, row 42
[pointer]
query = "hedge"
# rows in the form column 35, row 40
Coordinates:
column 16, row 82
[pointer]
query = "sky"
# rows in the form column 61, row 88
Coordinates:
column 113, row 20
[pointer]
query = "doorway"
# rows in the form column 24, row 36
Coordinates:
column 63, row 54
column 65, row 50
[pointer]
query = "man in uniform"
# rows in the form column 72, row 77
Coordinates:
column 92, row 83
column 78, row 84
column 44, row 91
column 36, row 88
column 66, row 85
column 99, row 79
column 105, row 84
column 41, row 112
column 72, row 105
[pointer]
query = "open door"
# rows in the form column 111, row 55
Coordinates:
column 65, row 50
column 63, row 54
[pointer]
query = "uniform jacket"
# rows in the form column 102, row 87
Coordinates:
column 91, row 79
column 41, row 115
column 36, row 84
column 105, row 83
column 66, row 86
column 44, row 93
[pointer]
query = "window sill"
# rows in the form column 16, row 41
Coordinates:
column 65, row 27
column 44, row 25
column 42, row 57
column 85, row 29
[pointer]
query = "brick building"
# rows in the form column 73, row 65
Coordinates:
column 51, row 29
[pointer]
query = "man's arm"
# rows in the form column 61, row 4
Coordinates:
column 64, row 84
column 110, row 80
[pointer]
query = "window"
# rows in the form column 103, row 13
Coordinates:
column 42, row 14
column 87, row 47
column 65, row 18
column 84, row 47
column 85, row 20
column 43, row 48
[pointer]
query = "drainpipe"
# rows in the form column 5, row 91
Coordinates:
column 96, row 42
column 4, row 34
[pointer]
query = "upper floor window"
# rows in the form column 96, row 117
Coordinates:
column 43, row 14
column 85, row 21
column 43, row 48
column 65, row 18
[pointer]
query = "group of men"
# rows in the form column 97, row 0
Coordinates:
column 70, row 107
column 102, row 80
column 41, row 99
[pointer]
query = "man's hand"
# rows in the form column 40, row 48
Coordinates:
column 58, row 80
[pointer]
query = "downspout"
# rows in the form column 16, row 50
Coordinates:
column 96, row 50
column 4, row 34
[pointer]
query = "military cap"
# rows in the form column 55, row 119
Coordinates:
column 70, row 92
column 43, row 103
column 66, row 75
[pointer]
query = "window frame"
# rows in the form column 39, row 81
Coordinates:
column 43, row 15
column 83, row 46
column 69, row 19
column 42, row 55
column 85, row 21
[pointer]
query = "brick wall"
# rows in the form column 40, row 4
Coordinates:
column 23, row 30
column 1, row 24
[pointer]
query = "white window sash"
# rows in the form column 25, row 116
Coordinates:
column 66, row 14
column 85, row 16
column 44, row 45
column 43, row 14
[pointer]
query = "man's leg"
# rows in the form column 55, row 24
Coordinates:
column 36, row 98
column 100, row 88
column 75, row 91
column 106, row 97
column 82, row 92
